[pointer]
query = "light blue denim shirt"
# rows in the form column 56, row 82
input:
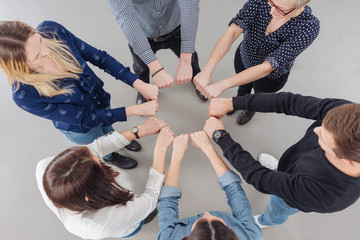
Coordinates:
column 241, row 221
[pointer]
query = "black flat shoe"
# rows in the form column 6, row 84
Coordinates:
column 151, row 216
column 121, row 161
column 202, row 97
column 133, row 146
column 140, row 99
column 230, row 112
column 244, row 117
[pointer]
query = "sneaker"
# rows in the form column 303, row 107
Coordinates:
column 268, row 161
column 230, row 112
column 244, row 117
column 151, row 216
column 121, row 161
column 140, row 99
column 257, row 222
column 133, row 146
column 202, row 97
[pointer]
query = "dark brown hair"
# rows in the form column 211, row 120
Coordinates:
column 213, row 230
column 74, row 174
column 344, row 124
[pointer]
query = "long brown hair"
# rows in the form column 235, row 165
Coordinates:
column 211, row 230
column 13, row 36
column 74, row 175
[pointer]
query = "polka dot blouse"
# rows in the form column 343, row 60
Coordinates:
column 280, row 47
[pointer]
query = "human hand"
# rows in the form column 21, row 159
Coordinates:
column 148, row 91
column 144, row 109
column 211, row 125
column 213, row 90
column 218, row 107
column 180, row 144
column 184, row 70
column 151, row 126
column 200, row 139
column 164, row 139
column 201, row 80
column 163, row 79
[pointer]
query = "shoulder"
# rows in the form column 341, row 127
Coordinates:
column 24, row 93
column 51, row 28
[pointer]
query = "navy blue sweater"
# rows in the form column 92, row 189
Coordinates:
column 305, row 178
column 87, row 107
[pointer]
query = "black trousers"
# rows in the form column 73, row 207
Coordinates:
column 174, row 44
column 265, row 84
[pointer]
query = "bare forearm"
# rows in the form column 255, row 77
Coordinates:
column 222, row 47
column 172, row 177
column 154, row 66
column 248, row 75
column 159, row 159
column 218, row 164
column 128, row 134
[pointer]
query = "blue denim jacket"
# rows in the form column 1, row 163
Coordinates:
column 241, row 221
column 87, row 107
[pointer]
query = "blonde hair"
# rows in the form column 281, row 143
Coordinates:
column 299, row 3
column 13, row 36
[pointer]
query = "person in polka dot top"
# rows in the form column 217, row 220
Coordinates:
column 275, row 33
column 48, row 71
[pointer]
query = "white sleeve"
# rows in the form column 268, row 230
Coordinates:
column 108, row 143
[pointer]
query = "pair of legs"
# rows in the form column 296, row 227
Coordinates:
column 174, row 44
column 267, row 85
column 96, row 132
column 276, row 212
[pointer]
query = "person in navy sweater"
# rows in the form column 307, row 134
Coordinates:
column 47, row 68
column 320, row 173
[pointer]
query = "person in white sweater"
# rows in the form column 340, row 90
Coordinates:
column 94, row 200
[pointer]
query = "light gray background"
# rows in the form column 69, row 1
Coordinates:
column 328, row 68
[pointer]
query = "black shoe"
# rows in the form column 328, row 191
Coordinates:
column 230, row 112
column 140, row 99
column 202, row 97
column 121, row 161
column 133, row 146
column 151, row 216
column 244, row 117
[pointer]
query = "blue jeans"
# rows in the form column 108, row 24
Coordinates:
column 89, row 137
column 276, row 212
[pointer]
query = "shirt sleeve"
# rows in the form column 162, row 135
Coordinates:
column 238, row 202
column 285, row 54
column 246, row 15
column 300, row 190
column 189, row 11
column 287, row 103
column 67, row 112
column 168, row 211
column 108, row 143
column 121, row 217
column 125, row 15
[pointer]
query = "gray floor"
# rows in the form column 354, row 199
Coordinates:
column 329, row 68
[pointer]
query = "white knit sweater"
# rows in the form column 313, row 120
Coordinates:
column 113, row 221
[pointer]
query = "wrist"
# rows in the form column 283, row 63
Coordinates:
column 129, row 111
column 185, row 58
column 154, row 66
column 160, row 149
column 138, row 84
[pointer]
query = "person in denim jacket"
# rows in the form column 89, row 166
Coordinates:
column 212, row 225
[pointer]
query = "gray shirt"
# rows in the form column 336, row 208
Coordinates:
column 142, row 19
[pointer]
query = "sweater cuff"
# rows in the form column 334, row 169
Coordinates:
column 170, row 191
column 119, row 114
column 130, row 78
column 225, row 142
column 239, row 103
column 228, row 178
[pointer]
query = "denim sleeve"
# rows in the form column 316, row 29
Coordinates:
column 238, row 202
column 246, row 15
column 168, row 211
column 287, row 103
column 95, row 56
column 30, row 101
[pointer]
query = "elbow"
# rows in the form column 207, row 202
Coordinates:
column 268, row 68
